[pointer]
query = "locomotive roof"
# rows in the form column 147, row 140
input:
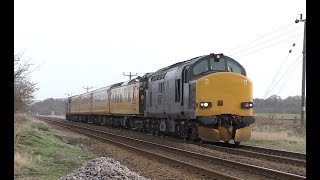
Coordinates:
column 189, row 61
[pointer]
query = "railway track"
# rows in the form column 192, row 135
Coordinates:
column 292, row 158
column 195, row 161
column 279, row 153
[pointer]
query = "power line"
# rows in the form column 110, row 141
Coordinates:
column 270, row 45
column 285, row 82
column 261, row 37
column 276, row 75
column 281, row 66
column 264, row 42
column 282, row 76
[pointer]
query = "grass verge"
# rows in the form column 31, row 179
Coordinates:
column 39, row 154
column 277, row 140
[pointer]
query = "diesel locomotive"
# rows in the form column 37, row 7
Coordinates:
column 206, row 98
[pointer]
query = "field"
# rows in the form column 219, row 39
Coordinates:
column 40, row 154
column 278, row 116
column 279, row 131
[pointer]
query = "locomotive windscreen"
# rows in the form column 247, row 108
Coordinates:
column 210, row 64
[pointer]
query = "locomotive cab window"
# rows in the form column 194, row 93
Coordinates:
column 223, row 64
column 232, row 67
column 201, row 67
column 219, row 65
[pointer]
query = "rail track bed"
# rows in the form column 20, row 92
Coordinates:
column 279, row 153
column 288, row 157
column 206, row 164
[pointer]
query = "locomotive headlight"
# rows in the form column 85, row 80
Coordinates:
column 246, row 105
column 205, row 104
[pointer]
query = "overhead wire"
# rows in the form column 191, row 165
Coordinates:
column 270, row 45
column 261, row 37
column 268, row 89
column 285, row 82
column 281, row 66
column 286, row 33
column 282, row 76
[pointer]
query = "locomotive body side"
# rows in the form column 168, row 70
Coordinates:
column 168, row 93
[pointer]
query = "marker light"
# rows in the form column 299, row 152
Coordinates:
column 205, row 104
column 246, row 105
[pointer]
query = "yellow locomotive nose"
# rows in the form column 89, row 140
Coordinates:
column 225, row 100
column 225, row 91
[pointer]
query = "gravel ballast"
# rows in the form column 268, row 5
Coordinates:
column 103, row 168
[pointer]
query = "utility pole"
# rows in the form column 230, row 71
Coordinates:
column 130, row 75
column 303, row 100
column 87, row 88
column 68, row 94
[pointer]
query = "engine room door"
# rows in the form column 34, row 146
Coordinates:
column 184, row 89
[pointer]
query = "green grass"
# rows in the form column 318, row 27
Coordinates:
column 39, row 154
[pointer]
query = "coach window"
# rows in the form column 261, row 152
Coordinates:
column 201, row 67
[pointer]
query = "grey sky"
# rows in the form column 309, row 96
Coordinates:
column 80, row 43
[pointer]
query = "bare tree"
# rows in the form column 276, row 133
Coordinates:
column 23, row 87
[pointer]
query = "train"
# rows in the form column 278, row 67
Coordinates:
column 207, row 99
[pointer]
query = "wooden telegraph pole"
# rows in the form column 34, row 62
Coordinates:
column 303, row 100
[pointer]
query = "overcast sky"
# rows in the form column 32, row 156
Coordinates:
column 79, row 43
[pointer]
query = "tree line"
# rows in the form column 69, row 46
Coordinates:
column 49, row 107
column 274, row 104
